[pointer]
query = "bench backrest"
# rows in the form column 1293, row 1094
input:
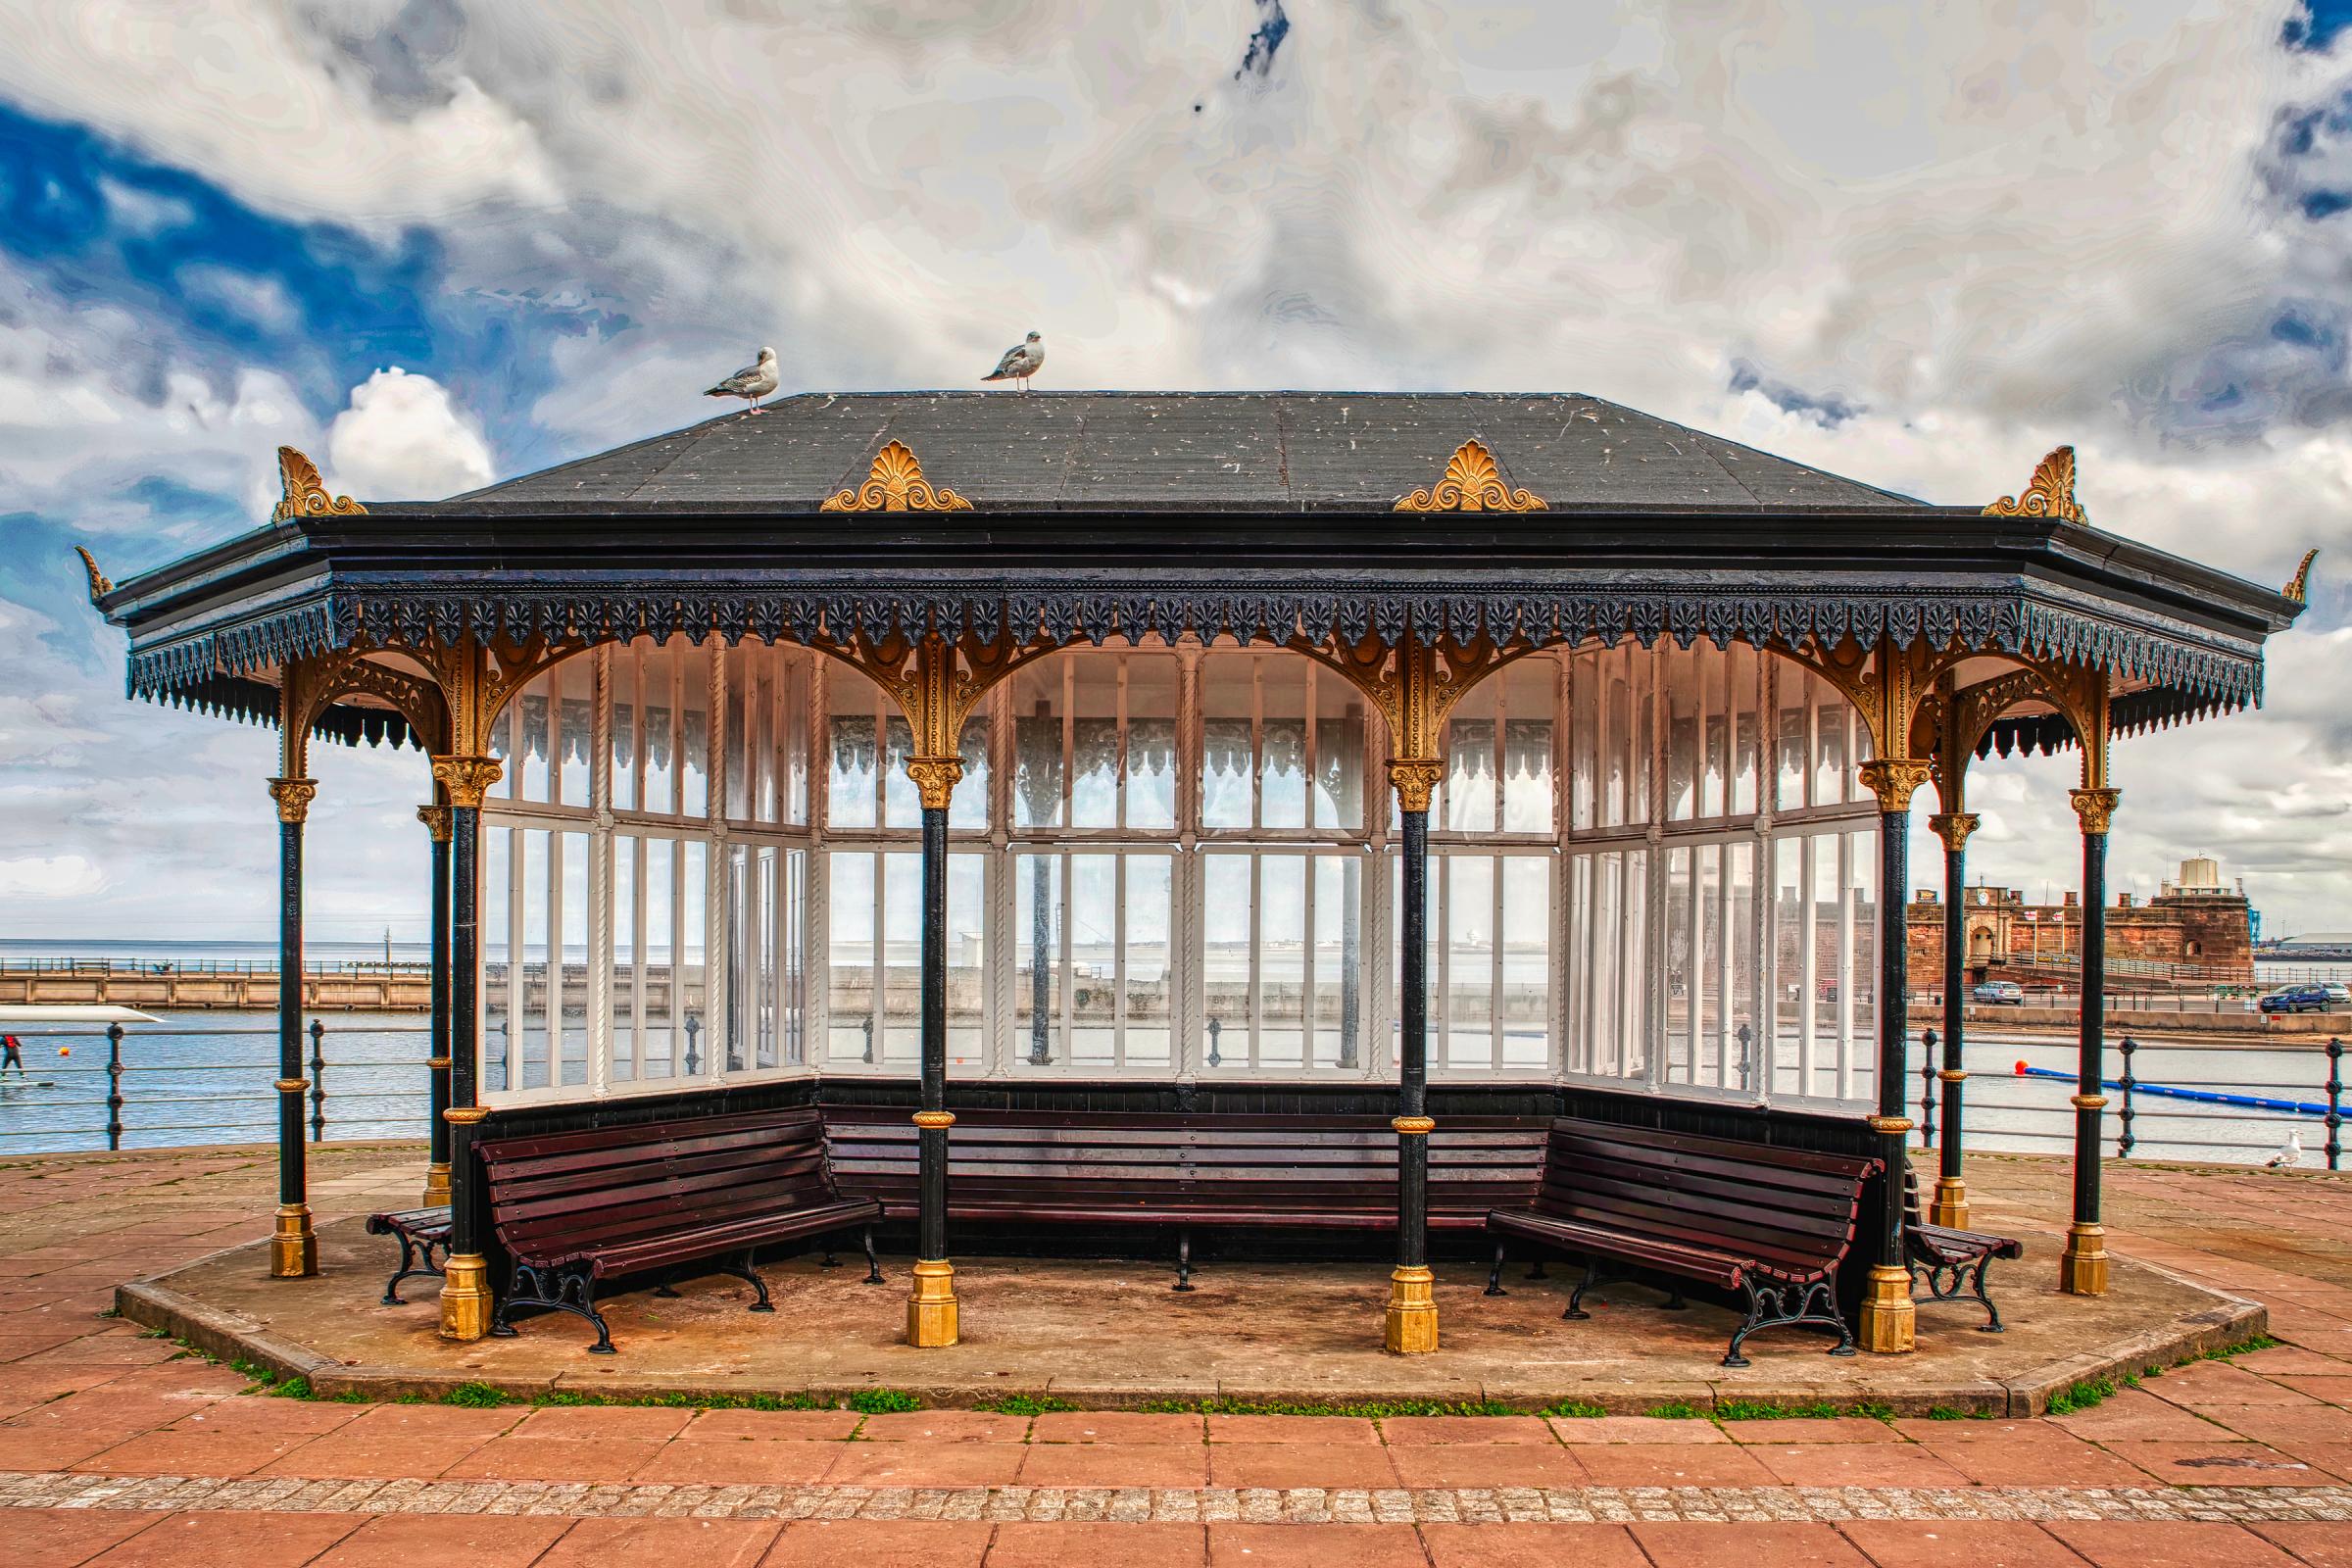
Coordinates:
column 1790, row 1211
column 1248, row 1166
column 612, row 1184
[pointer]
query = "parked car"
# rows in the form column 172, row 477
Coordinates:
column 2339, row 995
column 1999, row 994
column 2297, row 999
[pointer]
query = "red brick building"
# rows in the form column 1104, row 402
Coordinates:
column 2197, row 930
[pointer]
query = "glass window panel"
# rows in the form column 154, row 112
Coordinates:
column 793, row 775
column 1602, row 930
column 531, row 779
column 1829, row 760
column 902, row 802
column 1341, row 725
column 1037, row 745
column 1149, row 991
column 1529, row 697
column 1339, row 1013
column 498, row 956
column 1737, row 1043
column 1714, row 704
column 664, row 1040
column 1791, row 924
column 1590, row 683
column 794, row 955
column 851, row 895
column 529, row 1045
column 1093, row 1013
column 575, row 681
column 967, row 961
column 1746, row 739
column 1832, row 912
column 694, row 703
column 1281, row 959
column 902, row 1022
column 1682, row 964
column 1228, row 767
column 658, row 676
column 568, row 963
column 968, row 807
column 1226, row 930
column 627, row 981
column 1282, row 740
column 1634, row 1029
column 625, row 729
column 1151, row 691
column 1862, row 870
column 852, row 784
column 1680, row 671
column 1467, row 894
column 693, row 964
column 1094, row 742
column 1792, row 685
column 741, row 736
column 1639, row 746
column 1038, row 977
column 1525, row 1006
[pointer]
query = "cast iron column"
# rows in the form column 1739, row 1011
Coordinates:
column 436, row 1171
column 2082, row 1265
column 466, row 1300
column 293, row 1244
column 1888, row 1315
column 1950, row 1205
column 931, row 1320
column 1412, row 1321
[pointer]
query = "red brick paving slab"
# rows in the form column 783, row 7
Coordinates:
column 2323, row 1544
column 1689, row 1543
column 2334, row 1389
column 104, row 1350
column 1053, row 1545
column 1921, row 1429
column 2219, row 1464
column 1680, row 1464
column 1857, row 1464
column 2302, row 1423
column 1418, row 1431
column 522, row 1458
column 926, row 1464
column 1115, row 1465
column 1634, row 1429
column 774, row 1424
column 2133, row 1543
column 2133, row 1414
column 1115, row 1426
column 177, row 1453
column 362, row 1452
column 1496, row 1464
column 408, row 1541
column 604, row 1421
column 2333, row 1458
column 1959, row 1543
column 50, row 1448
column 432, row 1420
column 2206, row 1383
column 742, row 1462
column 1322, row 1431
column 945, row 1425
column 64, row 1538
column 1527, row 1546
column 866, row 1543
column 2289, row 1359
column 1236, row 1546
column 1301, row 1465
column 231, row 1540
column 657, row 1543
column 1805, row 1429
column 2037, row 1457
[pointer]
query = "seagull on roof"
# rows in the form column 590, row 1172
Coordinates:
column 2290, row 1153
column 751, row 383
column 1020, row 362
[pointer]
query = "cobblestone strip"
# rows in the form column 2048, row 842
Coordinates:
column 1209, row 1504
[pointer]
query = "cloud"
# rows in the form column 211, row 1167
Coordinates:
column 403, row 439
column 57, row 876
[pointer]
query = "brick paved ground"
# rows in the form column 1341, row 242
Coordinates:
column 112, row 1451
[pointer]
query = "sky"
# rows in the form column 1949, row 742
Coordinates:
column 432, row 242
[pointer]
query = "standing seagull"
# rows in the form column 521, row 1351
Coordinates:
column 751, row 383
column 1020, row 362
column 2290, row 1153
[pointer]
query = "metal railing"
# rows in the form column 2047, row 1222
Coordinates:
column 152, row 1095
column 2190, row 1119
column 145, row 968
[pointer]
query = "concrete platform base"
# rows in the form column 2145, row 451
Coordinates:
column 1110, row 1335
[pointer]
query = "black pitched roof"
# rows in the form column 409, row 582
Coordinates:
column 1190, row 450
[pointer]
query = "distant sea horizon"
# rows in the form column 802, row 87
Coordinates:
column 180, row 950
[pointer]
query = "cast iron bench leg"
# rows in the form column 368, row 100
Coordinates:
column 743, row 1270
column 1575, row 1297
column 1495, row 1274
column 1184, row 1258
column 830, row 1260
column 1992, row 1313
column 873, row 1266
column 408, row 1257
column 1534, row 1270
column 574, row 1293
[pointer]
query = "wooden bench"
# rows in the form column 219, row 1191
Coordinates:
column 422, row 1232
column 1953, row 1263
column 1772, row 1223
column 1185, row 1171
column 576, row 1208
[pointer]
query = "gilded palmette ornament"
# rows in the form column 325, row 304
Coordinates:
column 2050, row 495
column 2297, row 586
column 896, row 483
column 101, row 585
column 1472, row 484
column 304, row 492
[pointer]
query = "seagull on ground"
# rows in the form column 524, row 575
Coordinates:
column 2290, row 1154
column 751, row 383
column 1020, row 362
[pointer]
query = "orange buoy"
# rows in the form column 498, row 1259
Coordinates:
column 65, row 1050
column 2021, row 1069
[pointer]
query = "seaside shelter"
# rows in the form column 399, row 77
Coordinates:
column 1391, row 758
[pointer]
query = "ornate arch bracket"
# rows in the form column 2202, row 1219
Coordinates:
column 936, row 681
column 1414, row 684
column 304, row 492
column 477, row 679
column 1951, row 723
column 308, row 686
column 2051, row 494
column 895, row 483
column 1886, row 685
column 1472, row 482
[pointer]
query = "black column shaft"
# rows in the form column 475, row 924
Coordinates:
column 291, row 1184
column 1895, row 1023
column 1413, row 1059
column 2092, row 1068
column 439, row 1133
column 1955, row 1003
column 932, row 1224
column 464, row 1045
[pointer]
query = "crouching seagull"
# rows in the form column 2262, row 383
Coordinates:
column 1020, row 362
column 751, row 383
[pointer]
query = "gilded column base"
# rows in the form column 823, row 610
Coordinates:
column 931, row 1310
column 1889, row 1317
column 293, row 1244
column 1412, row 1327
column 465, row 1303
column 2083, row 1265
column 437, row 1184
column 1949, row 1207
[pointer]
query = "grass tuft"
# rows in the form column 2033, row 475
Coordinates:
column 1677, row 1410
column 1944, row 1412
column 2080, row 1395
column 1578, row 1408
column 294, row 1388
column 1025, row 1404
column 1372, row 1410
column 474, row 1396
column 883, row 1401
column 1758, row 1410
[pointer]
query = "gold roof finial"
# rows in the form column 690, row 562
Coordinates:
column 2050, row 495
column 896, row 483
column 2300, row 583
column 101, row 583
column 305, row 492
column 1472, row 484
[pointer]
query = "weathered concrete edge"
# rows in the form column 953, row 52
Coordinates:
column 234, row 1336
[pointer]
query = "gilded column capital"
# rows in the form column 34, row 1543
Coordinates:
column 2094, row 809
column 1416, row 779
column 467, row 779
column 1954, row 827
column 436, row 821
column 293, row 796
column 935, row 779
column 1893, row 780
